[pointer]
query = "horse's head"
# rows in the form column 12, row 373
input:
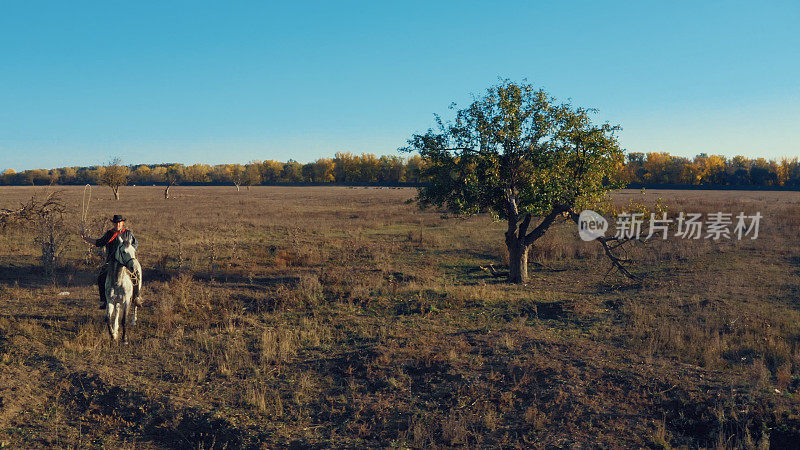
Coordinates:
column 125, row 251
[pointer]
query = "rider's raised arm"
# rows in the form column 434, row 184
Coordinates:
column 88, row 239
column 103, row 240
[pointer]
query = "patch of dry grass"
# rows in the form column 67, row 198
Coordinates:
column 340, row 317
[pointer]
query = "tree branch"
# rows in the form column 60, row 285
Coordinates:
column 33, row 210
column 548, row 220
column 523, row 227
column 493, row 272
column 617, row 261
column 513, row 216
column 609, row 245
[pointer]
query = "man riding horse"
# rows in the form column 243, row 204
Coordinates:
column 110, row 241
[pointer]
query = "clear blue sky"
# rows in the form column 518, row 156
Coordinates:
column 217, row 82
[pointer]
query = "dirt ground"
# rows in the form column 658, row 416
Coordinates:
column 345, row 317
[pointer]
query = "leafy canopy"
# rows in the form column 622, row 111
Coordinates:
column 517, row 151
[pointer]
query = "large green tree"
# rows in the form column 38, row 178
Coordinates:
column 520, row 155
column 115, row 175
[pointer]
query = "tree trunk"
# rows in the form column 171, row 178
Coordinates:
column 237, row 187
column 517, row 261
column 518, row 240
column 116, row 193
column 515, row 242
column 166, row 192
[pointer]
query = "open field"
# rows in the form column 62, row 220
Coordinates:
column 342, row 317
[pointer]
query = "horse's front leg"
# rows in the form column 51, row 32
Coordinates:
column 110, row 320
column 117, row 308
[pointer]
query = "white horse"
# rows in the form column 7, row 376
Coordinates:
column 119, row 291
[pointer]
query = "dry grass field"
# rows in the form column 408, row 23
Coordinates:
column 345, row 317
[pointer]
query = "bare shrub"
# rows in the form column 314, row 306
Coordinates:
column 52, row 237
column 44, row 215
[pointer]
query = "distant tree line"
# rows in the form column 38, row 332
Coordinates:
column 348, row 168
column 703, row 169
column 343, row 168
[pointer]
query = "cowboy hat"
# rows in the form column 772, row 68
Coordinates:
column 117, row 218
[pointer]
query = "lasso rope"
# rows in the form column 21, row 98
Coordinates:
column 85, row 206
